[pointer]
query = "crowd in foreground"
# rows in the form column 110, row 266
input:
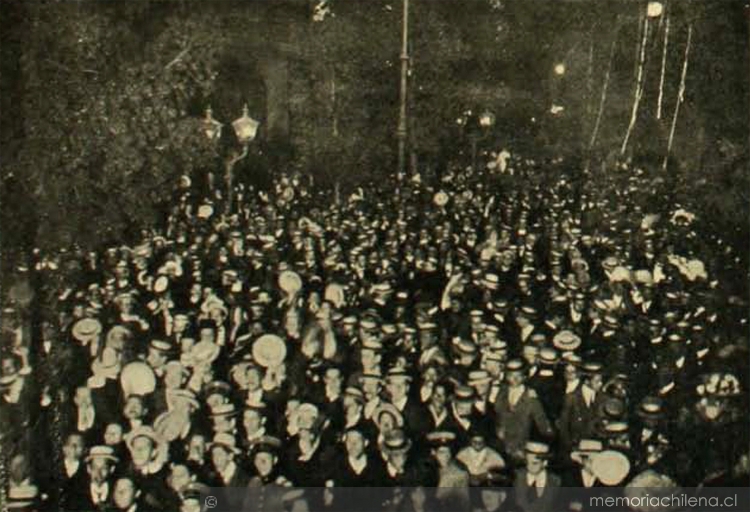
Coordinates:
column 524, row 326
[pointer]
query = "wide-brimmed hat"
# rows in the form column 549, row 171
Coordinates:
column 102, row 452
column 387, row 408
column 651, row 408
column 269, row 351
column 537, row 448
column 290, row 281
column 586, row 447
column 107, row 365
column 611, row 467
column 396, row 441
column 86, row 329
column 566, row 341
column 144, row 431
column 137, row 378
column 226, row 441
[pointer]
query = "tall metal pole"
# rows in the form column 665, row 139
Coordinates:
column 401, row 131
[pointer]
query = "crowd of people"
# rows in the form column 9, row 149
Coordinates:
column 528, row 325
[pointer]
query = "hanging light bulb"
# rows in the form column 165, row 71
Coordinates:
column 654, row 9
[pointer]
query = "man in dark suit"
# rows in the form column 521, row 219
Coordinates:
column 71, row 476
column 582, row 408
column 227, row 473
column 415, row 417
column 535, row 487
column 517, row 410
column 96, row 494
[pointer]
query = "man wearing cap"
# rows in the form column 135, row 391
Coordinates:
column 582, row 473
column 517, row 409
column 100, row 466
column 226, row 471
column 398, row 383
column 535, row 487
column 651, row 446
column 582, row 408
column 453, row 480
column 356, row 465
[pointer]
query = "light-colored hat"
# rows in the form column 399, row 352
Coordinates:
column 290, row 282
column 610, row 467
column 387, row 408
column 537, row 448
column 226, row 441
column 86, row 329
column 269, row 351
column 107, row 365
column 334, row 294
column 171, row 424
column 137, row 378
column 440, row 198
column 102, row 452
column 566, row 341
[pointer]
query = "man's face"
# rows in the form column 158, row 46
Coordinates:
column 142, row 450
column 156, row 358
column 264, row 463
column 179, row 477
column 99, row 470
column 124, row 494
column 370, row 359
column 113, row 434
column 371, row 388
column 254, row 379
column 208, row 335
column 197, row 447
column 534, row 464
column 596, row 382
column 439, row 397
column 220, row 457
column 515, row 378
column 133, row 408
column 252, row 421
column 355, row 444
column 463, row 408
column 332, row 379
column 83, row 397
column 443, row 456
column 73, row 447
column 397, row 388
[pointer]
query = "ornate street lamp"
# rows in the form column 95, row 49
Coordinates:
column 245, row 129
column 211, row 127
column 476, row 127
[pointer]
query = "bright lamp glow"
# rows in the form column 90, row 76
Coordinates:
column 560, row 69
column 245, row 127
column 654, row 9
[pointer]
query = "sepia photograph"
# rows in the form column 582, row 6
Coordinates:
column 374, row 255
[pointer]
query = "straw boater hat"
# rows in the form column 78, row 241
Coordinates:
column 290, row 282
column 566, row 341
column 396, row 441
column 650, row 408
column 538, row 449
column 107, row 365
column 102, row 452
column 586, row 447
column 161, row 453
column 611, row 467
column 387, row 408
column 226, row 441
column 137, row 378
column 86, row 330
column 269, row 351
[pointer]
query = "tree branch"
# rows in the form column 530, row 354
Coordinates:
column 178, row 58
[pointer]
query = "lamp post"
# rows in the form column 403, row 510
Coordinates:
column 476, row 127
column 245, row 129
column 401, row 130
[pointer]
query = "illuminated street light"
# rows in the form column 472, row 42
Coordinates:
column 560, row 69
column 654, row 9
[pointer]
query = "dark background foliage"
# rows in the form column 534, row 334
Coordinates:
column 102, row 101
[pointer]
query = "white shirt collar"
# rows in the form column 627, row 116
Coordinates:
column 571, row 386
column 515, row 393
column 71, row 466
column 400, row 404
column 229, row 472
column 589, row 395
column 358, row 465
column 587, row 478
column 539, row 480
